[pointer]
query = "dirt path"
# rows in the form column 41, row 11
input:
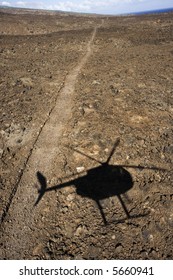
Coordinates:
column 23, row 220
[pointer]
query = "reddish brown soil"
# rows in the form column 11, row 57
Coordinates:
column 70, row 86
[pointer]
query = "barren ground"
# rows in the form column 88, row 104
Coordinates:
column 70, row 87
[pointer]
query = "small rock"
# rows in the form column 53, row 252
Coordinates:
column 71, row 197
column 153, row 254
column 26, row 82
column 80, row 230
column 19, row 141
column 88, row 110
column 94, row 252
column 151, row 238
column 78, row 257
column 95, row 82
column 144, row 254
column 114, row 89
column 37, row 250
column 64, row 209
column 69, row 230
column 169, row 149
column 170, row 220
column 2, row 132
column 118, row 248
column 1, row 152
column 95, row 150
column 161, row 224
column 80, row 169
column 7, row 125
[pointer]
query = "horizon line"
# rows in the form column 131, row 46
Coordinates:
column 90, row 13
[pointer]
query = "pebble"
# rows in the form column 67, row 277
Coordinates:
column 69, row 230
column 37, row 250
column 7, row 125
column 95, row 82
column 80, row 169
column 2, row 132
column 71, row 197
column 118, row 248
column 153, row 254
column 1, row 152
column 151, row 238
column 88, row 110
column 94, row 252
column 170, row 220
column 80, row 230
column 114, row 89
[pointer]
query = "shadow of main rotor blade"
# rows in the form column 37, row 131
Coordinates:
column 113, row 150
column 144, row 167
column 79, row 152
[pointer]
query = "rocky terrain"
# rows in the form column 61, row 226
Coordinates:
column 86, row 135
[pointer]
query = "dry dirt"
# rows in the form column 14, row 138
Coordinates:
column 86, row 135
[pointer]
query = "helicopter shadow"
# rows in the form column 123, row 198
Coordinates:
column 99, row 183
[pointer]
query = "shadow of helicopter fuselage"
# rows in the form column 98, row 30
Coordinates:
column 103, row 182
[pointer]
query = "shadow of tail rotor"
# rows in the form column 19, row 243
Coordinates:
column 43, row 186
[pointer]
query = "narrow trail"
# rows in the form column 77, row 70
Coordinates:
column 23, row 220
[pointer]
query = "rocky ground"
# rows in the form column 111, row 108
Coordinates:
column 77, row 92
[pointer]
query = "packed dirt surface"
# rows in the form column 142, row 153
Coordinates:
column 86, row 136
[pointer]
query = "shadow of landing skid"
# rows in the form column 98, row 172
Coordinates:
column 99, row 183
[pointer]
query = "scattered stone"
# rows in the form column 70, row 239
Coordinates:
column 80, row 230
column 170, row 220
column 26, row 82
column 37, row 250
column 118, row 248
column 161, row 224
column 6, row 125
column 88, row 110
column 2, row 132
column 169, row 149
column 69, row 230
column 95, row 82
column 80, row 169
column 94, row 252
column 114, row 89
column 153, row 254
column 71, row 197
column 1, row 152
